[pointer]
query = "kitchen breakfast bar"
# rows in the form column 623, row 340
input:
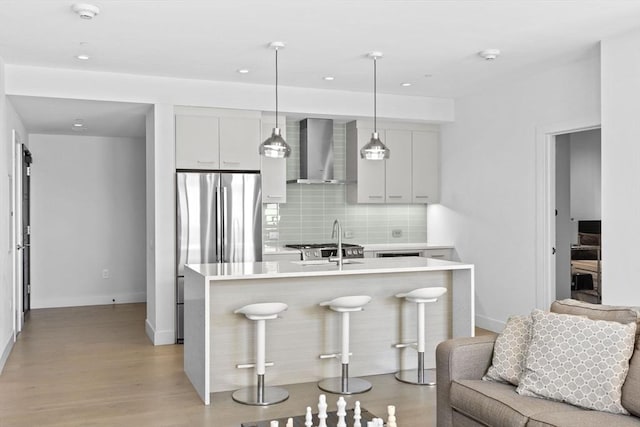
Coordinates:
column 217, row 340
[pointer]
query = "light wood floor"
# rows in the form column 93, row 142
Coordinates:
column 94, row 366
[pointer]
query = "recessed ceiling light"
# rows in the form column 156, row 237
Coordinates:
column 77, row 125
column 329, row 78
column 243, row 71
column 85, row 10
column 406, row 84
column 428, row 75
column 489, row 54
column 82, row 56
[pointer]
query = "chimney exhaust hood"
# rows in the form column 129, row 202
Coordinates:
column 316, row 152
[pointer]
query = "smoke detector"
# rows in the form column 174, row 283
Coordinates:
column 85, row 10
column 490, row 54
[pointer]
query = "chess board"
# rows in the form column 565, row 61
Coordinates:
column 298, row 420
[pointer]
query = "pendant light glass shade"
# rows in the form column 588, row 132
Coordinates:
column 375, row 149
column 275, row 146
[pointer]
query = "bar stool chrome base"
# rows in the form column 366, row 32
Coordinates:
column 412, row 376
column 418, row 376
column 350, row 386
column 260, row 395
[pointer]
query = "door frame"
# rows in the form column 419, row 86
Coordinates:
column 545, row 263
column 16, row 231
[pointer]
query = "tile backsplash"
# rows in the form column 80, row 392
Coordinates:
column 308, row 215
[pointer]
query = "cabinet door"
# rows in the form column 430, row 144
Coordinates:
column 274, row 171
column 239, row 141
column 197, row 142
column 426, row 167
column 371, row 173
column 398, row 167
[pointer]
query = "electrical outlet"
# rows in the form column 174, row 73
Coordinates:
column 396, row 233
column 348, row 234
column 273, row 235
column 105, row 273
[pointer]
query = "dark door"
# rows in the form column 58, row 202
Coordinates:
column 26, row 230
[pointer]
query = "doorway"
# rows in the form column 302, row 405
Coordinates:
column 26, row 230
column 578, row 216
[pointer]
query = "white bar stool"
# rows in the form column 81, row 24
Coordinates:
column 260, row 395
column 344, row 384
column 420, row 296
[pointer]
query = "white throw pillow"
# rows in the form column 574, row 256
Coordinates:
column 577, row 360
column 510, row 351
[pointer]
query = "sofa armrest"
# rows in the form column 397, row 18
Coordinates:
column 459, row 359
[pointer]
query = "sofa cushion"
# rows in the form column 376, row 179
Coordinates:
column 510, row 351
column 578, row 360
column 598, row 312
column 631, row 387
column 497, row 404
column 581, row 418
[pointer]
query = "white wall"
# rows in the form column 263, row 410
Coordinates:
column 620, row 171
column 88, row 214
column 488, row 204
column 586, row 179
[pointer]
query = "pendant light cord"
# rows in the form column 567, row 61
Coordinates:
column 375, row 78
column 276, row 87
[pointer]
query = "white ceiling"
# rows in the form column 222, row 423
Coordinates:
column 212, row 39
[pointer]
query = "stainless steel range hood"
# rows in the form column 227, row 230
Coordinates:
column 316, row 152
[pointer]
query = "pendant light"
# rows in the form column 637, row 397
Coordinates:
column 275, row 146
column 374, row 149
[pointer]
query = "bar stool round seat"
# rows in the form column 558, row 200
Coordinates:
column 344, row 384
column 421, row 296
column 260, row 395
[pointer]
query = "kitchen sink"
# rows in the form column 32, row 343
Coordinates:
column 325, row 262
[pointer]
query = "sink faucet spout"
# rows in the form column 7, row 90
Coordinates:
column 337, row 229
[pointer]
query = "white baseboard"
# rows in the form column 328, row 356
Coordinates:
column 6, row 352
column 490, row 324
column 166, row 337
column 90, row 300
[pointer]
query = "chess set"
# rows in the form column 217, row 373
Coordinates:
column 342, row 417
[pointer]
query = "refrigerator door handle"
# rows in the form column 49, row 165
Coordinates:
column 223, row 220
column 219, row 228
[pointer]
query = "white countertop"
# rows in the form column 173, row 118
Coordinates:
column 275, row 269
column 402, row 246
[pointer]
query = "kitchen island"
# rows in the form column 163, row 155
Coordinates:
column 216, row 339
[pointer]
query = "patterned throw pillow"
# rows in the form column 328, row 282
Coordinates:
column 510, row 351
column 577, row 360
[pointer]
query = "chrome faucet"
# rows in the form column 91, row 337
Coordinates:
column 338, row 257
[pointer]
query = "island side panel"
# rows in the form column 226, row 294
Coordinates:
column 463, row 290
column 305, row 330
column 197, row 332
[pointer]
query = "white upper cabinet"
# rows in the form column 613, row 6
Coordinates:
column 365, row 178
column 239, row 142
column 425, row 167
column 410, row 175
column 274, row 171
column 197, row 142
column 398, row 166
column 208, row 138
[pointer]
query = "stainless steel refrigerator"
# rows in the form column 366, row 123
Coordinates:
column 219, row 219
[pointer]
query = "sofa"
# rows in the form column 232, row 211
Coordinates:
column 465, row 399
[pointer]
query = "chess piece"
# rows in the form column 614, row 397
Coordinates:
column 289, row 422
column 274, row 424
column 322, row 411
column 342, row 404
column 391, row 421
column 308, row 418
column 357, row 415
